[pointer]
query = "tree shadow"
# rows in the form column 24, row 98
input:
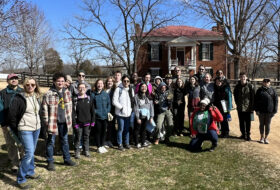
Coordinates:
column 5, row 177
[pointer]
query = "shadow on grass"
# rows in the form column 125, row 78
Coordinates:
column 5, row 177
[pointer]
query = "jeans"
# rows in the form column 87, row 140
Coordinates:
column 123, row 129
column 29, row 141
column 63, row 136
column 211, row 135
column 82, row 135
column 265, row 120
column 244, row 122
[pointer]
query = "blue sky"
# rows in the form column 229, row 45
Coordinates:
column 58, row 12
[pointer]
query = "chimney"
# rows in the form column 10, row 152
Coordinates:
column 137, row 29
column 214, row 29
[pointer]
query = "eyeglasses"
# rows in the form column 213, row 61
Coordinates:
column 177, row 70
column 201, row 69
column 127, row 81
column 82, row 75
column 30, row 85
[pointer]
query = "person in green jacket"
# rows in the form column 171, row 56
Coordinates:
column 244, row 94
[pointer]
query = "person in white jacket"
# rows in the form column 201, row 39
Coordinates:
column 123, row 100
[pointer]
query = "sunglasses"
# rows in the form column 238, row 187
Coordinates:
column 32, row 85
column 177, row 70
column 127, row 81
column 14, row 78
column 201, row 69
column 82, row 75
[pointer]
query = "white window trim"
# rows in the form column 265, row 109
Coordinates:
column 208, row 50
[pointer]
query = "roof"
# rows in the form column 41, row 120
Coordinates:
column 188, row 31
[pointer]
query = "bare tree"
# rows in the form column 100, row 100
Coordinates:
column 121, row 39
column 32, row 34
column 238, row 19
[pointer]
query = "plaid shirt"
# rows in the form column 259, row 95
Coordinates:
column 50, row 107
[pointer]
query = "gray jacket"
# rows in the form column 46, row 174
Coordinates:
column 143, row 104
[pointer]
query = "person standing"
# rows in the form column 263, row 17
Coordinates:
column 193, row 92
column 7, row 95
column 266, row 106
column 207, row 89
column 223, row 101
column 81, row 79
column 144, row 112
column 118, row 77
column 244, row 95
column 146, row 79
column 179, row 107
column 200, row 74
column 83, row 117
column 57, row 115
column 164, row 101
column 123, row 100
column 24, row 117
column 102, row 105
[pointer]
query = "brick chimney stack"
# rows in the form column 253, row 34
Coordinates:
column 137, row 29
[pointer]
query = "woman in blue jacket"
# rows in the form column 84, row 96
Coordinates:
column 102, row 105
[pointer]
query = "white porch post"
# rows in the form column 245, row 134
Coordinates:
column 169, row 58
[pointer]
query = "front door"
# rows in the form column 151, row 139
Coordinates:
column 181, row 56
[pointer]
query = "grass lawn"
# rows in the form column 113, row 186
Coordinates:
column 156, row 167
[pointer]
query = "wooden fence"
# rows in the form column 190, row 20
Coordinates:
column 47, row 79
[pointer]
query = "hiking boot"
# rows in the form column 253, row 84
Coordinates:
column 120, row 147
column 213, row 147
column 77, row 154
column 51, row 166
column 127, row 146
column 35, row 176
column 69, row 163
column 87, row 153
column 24, row 186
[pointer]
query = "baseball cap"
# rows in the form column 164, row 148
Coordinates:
column 12, row 75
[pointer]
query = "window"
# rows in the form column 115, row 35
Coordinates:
column 205, row 52
column 154, row 51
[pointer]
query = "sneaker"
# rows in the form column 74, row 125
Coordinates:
column 69, row 163
column 213, row 147
column 100, row 150
column 104, row 149
column 266, row 141
column 87, row 154
column 35, row 176
column 145, row 144
column 24, row 186
column 138, row 145
column 51, row 166
column 262, row 141
column 120, row 147
column 127, row 146
column 77, row 154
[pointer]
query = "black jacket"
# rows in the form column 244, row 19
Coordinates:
column 266, row 100
column 179, row 95
column 83, row 111
column 7, row 95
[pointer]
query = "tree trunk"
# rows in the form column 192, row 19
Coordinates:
column 278, row 54
column 236, row 62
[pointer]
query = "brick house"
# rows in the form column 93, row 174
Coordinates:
column 183, row 46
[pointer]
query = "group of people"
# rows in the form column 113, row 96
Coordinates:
column 125, row 111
